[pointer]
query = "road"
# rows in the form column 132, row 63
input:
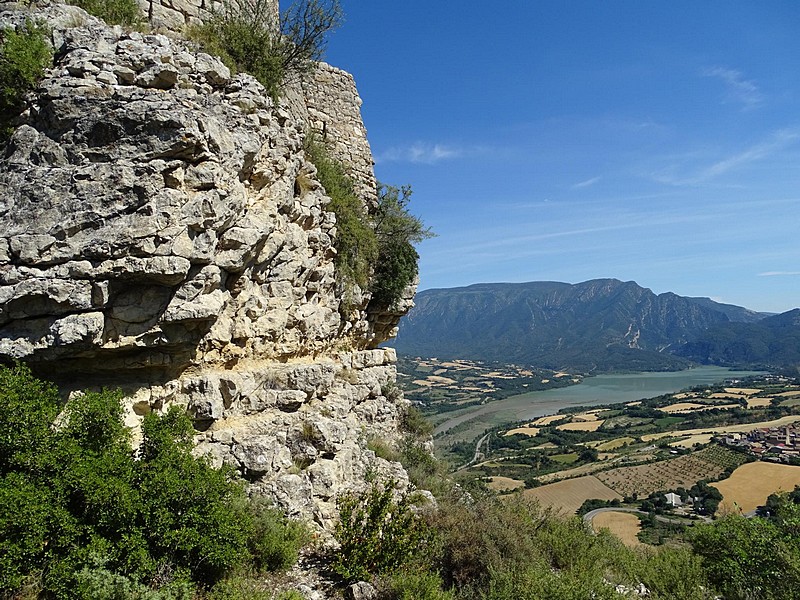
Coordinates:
column 588, row 517
column 477, row 455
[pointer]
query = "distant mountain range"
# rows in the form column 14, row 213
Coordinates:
column 595, row 326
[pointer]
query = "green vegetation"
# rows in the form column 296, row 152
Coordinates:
column 24, row 55
column 83, row 517
column 396, row 231
column 753, row 558
column 113, row 12
column 373, row 251
column 244, row 35
column 378, row 534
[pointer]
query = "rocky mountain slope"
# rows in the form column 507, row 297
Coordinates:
column 162, row 231
column 598, row 325
column 772, row 342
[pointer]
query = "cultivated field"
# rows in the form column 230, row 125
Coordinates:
column 749, row 485
column 542, row 421
column 503, row 484
column 740, row 428
column 531, row 431
column 623, row 525
column 581, row 426
column 683, row 471
column 568, row 495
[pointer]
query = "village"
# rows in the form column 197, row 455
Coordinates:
column 774, row 444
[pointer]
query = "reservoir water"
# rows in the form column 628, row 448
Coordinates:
column 600, row 389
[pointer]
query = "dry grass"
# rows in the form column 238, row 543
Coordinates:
column 636, row 403
column 790, row 394
column 582, row 425
column 689, row 442
column 615, row 443
column 531, row 431
column 758, row 402
column 681, row 407
column 542, row 421
column 568, row 495
column 749, row 485
column 441, row 380
column 623, row 525
column 503, row 484
column 744, row 391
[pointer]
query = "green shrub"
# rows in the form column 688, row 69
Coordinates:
column 415, row 585
column 24, row 56
column 375, row 252
column 275, row 541
column 113, row 12
column 412, row 421
column 397, row 231
column 73, row 493
column 244, row 35
column 356, row 243
column 378, row 534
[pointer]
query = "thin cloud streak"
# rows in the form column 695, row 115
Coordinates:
column 740, row 90
column 780, row 140
column 585, row 184
column 779, row 273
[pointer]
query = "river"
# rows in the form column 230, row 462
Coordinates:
column 600, row 389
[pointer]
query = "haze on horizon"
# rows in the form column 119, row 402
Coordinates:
column 653, row 142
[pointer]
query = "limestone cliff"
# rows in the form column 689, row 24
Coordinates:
column 162, row 231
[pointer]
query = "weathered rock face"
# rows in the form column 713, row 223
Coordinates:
column 162, row 231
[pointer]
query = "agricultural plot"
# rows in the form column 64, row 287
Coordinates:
column 623, row 525
column 683, row 471
column 504, row 484
column 581, row 426
column 749, row 485
column 568, row 495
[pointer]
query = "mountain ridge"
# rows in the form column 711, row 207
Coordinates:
column 592, row 326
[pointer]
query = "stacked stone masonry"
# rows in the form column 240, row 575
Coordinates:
column 162, row 231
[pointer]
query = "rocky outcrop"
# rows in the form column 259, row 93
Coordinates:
column 163, row 232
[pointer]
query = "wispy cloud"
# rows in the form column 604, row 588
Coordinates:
column 585, row 184
column 778, row 141
column 739, row 89
column 419, row 153
column 779, row 273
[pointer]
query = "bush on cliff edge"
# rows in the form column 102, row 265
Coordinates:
column 86, row 516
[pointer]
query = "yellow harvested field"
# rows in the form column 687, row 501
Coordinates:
column 545, row 446
column 502, row 484
column 750, row 484
column 531, row 431
column 582, row 425
column 790, row 394
column 615, row 443
column 542, row 421
column 587, row 416
column 424, row 382
column 637, row 403
column 442, row 380
column 758, row 402
column 681, row 407
column 745, row 391
column 687, row 407
column 701, row 438
column 568, row 495
column 559, row 374
column 727, row 396
column 742, row 427
column 623, row 525
column 684, row 395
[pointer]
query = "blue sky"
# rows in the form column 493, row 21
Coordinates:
column 650, row 141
